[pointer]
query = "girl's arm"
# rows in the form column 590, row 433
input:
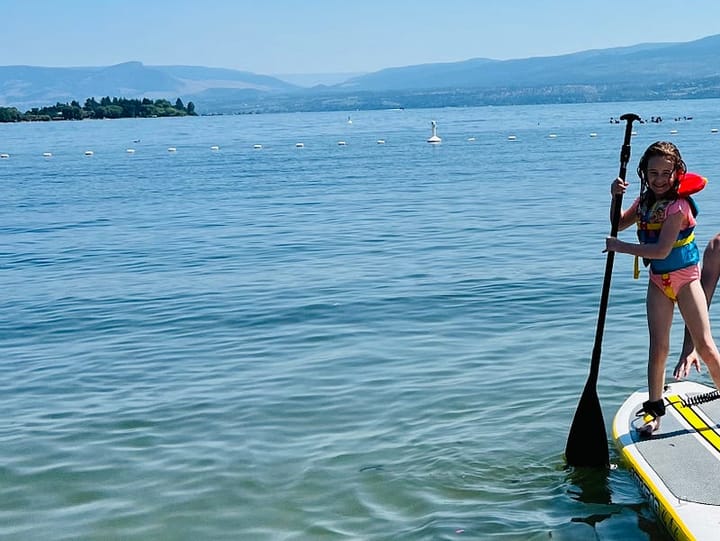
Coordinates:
column 660, row 250
column 628, row 216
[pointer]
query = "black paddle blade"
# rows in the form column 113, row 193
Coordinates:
column 587, row 444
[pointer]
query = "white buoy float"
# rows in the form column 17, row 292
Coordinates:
column 342, row 143
column 89, row 153
column 381, row 141
column 434, row 139
column 673, row 132
column 130, row 151
column 215, row 147
column 593, row 134
column 257, row 147
column 512, row 137
column 172, row 149
column 4, row 156
column 553, row 136
column 714, row 130
column 471, row 139
column 47, row 154
column 299, row 145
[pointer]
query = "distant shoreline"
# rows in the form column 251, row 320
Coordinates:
column 106, row 108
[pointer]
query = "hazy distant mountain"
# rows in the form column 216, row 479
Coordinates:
column 308, row 80
column 27, row 86
column 640, row 72
column 652, row 63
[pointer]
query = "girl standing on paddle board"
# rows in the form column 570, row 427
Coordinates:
column 665, row 223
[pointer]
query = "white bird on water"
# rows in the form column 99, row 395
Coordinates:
column 434, row 139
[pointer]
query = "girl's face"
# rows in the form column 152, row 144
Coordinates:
column 660, row 174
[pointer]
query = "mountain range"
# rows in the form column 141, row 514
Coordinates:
column 639, row 72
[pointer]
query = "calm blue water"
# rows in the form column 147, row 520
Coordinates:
column 359, row 342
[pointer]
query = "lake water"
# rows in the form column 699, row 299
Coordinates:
column 337, row 342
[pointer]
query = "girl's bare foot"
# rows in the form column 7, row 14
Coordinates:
column 651, row 425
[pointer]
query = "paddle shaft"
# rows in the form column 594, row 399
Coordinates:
column 587, row 443
column 616, row 209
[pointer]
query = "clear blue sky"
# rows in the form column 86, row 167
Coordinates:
column 339, row 36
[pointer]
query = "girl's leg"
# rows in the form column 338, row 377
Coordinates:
column 659, row 315
column 693, row 307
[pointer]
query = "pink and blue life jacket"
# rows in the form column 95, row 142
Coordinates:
column 684, row 253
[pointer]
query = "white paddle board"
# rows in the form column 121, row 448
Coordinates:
column 678, row 467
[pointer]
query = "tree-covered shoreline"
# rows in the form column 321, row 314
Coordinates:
column 106, row 108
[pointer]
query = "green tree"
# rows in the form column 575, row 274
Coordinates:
column 91, row 106
column 107, row 108
column 10, row 114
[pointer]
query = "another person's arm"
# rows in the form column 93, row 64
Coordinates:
column 709, row 279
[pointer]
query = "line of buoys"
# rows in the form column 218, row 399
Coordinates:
column 434, row 138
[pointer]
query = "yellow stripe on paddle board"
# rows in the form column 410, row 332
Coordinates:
column 662, row 508
column 695, row 421
column 660, row 505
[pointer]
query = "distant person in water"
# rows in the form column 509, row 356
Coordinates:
column 665, row 229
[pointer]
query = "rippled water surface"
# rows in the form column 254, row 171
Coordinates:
column 363, row 341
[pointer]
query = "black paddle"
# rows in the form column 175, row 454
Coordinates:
column 587, row 444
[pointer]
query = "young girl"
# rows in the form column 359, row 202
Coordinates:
column 667, row 244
